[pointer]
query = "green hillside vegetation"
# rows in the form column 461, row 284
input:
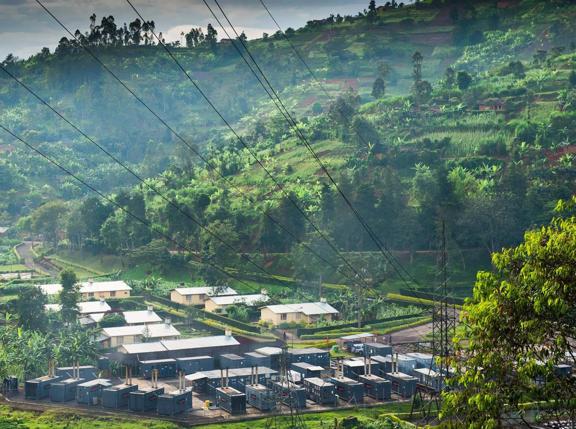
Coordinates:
column 457, row 111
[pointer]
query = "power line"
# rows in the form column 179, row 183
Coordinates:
column 292, row 122
column 149, row 225
column 317, row 80
column 133, row 173
column 184, row 141
column 252, row 153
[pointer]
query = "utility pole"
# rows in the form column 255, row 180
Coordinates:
column 443, row 330
column 320, row 287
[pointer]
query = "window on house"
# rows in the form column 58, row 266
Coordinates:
column 283, row 316
column 113, row 293
column 188, row 298
column 91, row 294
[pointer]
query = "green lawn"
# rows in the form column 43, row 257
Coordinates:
column 13, row 268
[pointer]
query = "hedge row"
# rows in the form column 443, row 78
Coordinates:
column 311, row 331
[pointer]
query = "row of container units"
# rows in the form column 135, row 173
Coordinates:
column 289, row 394
column 320, row 391
column 312, row 356
column 174, row 403
column 376, row 387
column 260, row 397
column 403, row 384
column 238, row 378
column 166, row 368
column 348, row 390
column 65, row 390
column 231, row 400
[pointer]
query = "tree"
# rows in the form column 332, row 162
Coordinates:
column 378, row 88
column 48, row 220
column 449, row 78
column 519, row 325
column 69, row 296
column 29, row 308
column 464, row 80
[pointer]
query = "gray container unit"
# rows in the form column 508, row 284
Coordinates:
column 428, row 377
column 307, row 370
column 238, row 378
column 372, row 349
column 423, row 360
column 39, row 388
column 563, row 370
column 117, row 396
column 384, row 365
column 103, row 363
column 320, row 391
column 406, row 364
column 274, row 353
column 87, row 372
column 402, row 384
column 349, row 390
column 174, row 403
column 166, row 368
column 260, row 397
column 231, row 400
column 90, row 392
column 145, row 399
column 355, row 367
column 289, row 393
column 190, row 365
column 257, row 359
column 376, row 387
column 65, row 390
column 312, row 356
column 232, row 361
column 10, row 385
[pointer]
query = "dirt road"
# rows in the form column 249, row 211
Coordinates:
column 25, row 251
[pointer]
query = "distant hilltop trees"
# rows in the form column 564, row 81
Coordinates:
column 136, row 33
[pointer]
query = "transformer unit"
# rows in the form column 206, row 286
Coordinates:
column 402, row 384
column 231, row 400
column 65, row 390
column 289, row 393
column 39, row 388
column 348, row 390
column 174, row 403
column 372, row 349
column 376, row 387
column 313, row 356
column 190, row 365
column 307, row 370
column 144, row 399
column 90, row 392
column 117, row 396
column 232, row 361
column 423, row 360
column 260, row 397
column 320, row 391
column 257, row 359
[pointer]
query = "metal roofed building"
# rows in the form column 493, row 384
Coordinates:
column 87, row 307
column 219, row 303
column 117, row 336
column 188, row 347
column 308, row 312
column 91, row 289
column 198, row 295
column 141, row 317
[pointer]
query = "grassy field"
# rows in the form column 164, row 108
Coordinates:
column 13, row 268
column 13, row 419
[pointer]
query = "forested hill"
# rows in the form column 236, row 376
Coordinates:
column 455, row 110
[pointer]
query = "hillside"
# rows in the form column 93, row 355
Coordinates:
column 483, row 142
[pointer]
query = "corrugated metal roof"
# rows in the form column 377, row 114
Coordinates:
column 143, row 316
column 133, row 349
column 205, row 290
column 237, row 372
column 309, row 350
column 87, row 307
column 107, row 286
column 269, row 351
column 307, row 308
column 196, row 376
column 201, row 342
column 96, row 382
column 157, row 330
column 240, row 299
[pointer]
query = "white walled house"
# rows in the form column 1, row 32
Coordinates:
column 90, row 289
column 198, row 295
column 117, row 336
column 216, row 304
column 307, row 312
